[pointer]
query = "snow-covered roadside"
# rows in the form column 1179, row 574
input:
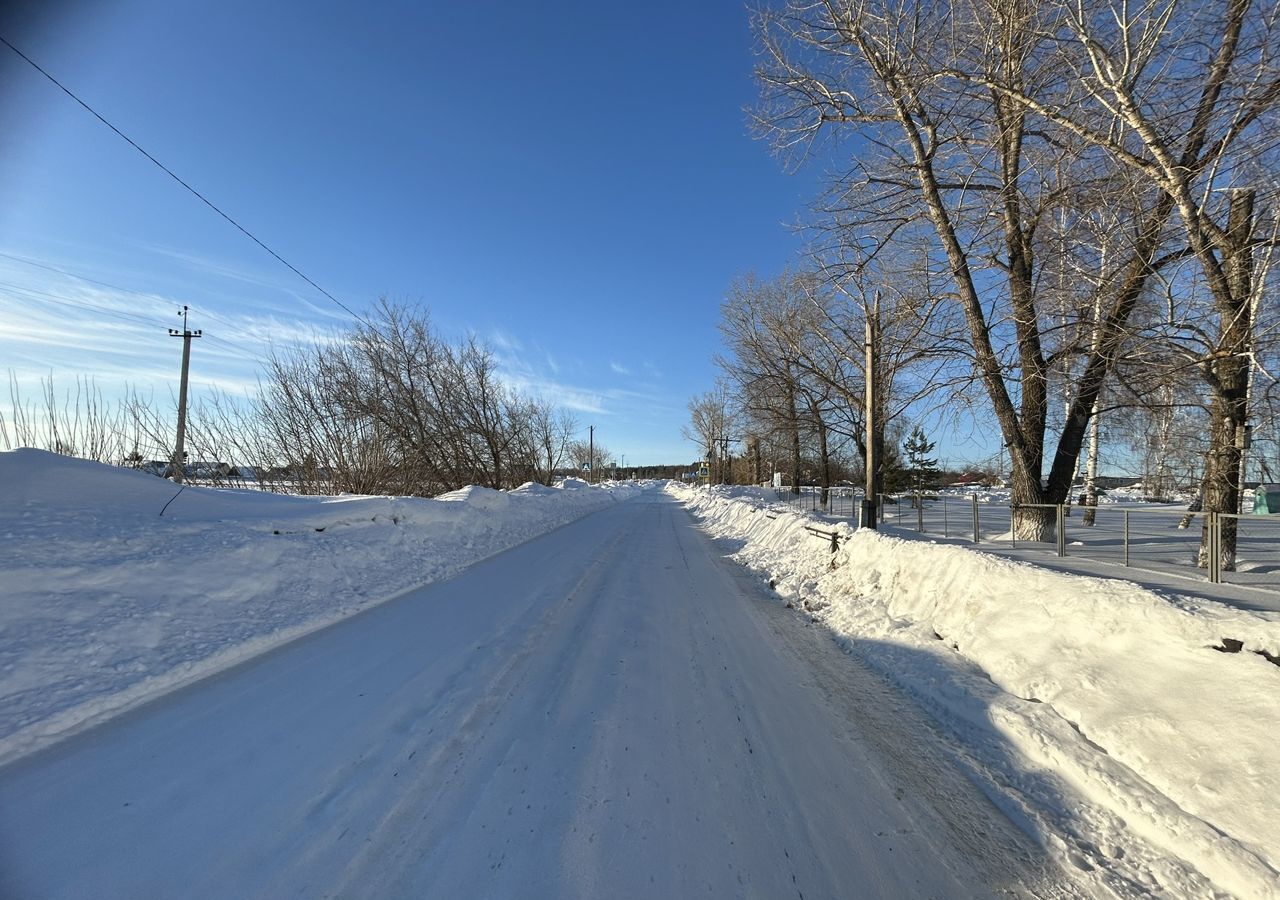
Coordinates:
column 1142, row 757
column 104, row 603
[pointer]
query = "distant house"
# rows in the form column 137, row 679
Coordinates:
column 977, row 479
column 207, row 470
column 200, row 469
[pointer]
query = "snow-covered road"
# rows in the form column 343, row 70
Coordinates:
column 610, row 710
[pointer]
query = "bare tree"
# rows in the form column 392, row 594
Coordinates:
column 981, row 124
column 551, row 431
column 711, row 423
column 588, row 453
column 77, row 421
column 1190, row 92
column 763, row 324
column 396, row 403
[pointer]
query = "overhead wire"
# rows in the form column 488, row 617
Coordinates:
column 28, row 261
column 203, row 199
column 77, row 304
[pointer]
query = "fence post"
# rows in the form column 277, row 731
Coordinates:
column 1062, row 530
column 977, row 537
column 1215, row 545
column 1126, row 537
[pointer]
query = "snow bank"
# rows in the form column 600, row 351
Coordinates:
column 1139, row 753
column 105, row 603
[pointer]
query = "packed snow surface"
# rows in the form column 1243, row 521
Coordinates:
column 1109, row 715
column 609, row 710
column 117, row 585
column 1132, row 732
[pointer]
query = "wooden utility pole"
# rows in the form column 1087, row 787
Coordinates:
column 591, row 454
column 178, row 450
column 871, row 347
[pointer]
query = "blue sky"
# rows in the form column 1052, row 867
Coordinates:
column 573, row 181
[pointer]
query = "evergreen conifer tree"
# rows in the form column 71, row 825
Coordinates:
column 922, row 470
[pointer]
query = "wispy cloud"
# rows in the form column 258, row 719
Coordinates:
column 501, row 340
column 87, row 322
column 66, row 325
column 536, row 373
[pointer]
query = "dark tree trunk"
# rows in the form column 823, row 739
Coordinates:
column 1228, row 376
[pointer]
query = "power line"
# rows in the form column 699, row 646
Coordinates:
column 77, row 304
column 203, row 199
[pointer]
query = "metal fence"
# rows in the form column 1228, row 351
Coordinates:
column 842, row 503
column 1142, row 536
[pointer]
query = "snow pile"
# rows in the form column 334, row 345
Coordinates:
column 1112, row 724
column 105, row 603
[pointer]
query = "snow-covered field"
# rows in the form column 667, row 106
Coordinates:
column 1105, row 716
column 116, row 587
